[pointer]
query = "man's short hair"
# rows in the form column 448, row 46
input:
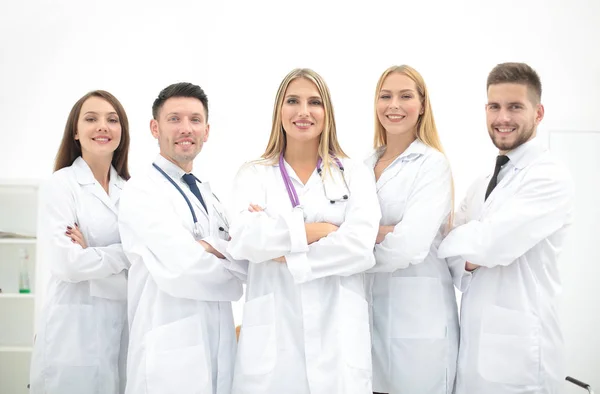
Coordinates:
column 182, row 89
column 519, row 73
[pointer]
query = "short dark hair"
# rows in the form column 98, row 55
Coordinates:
column 182, row 89
column 519, row 73
column 70, row 148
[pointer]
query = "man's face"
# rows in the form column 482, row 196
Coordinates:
column 181, row 130
column 512, row 115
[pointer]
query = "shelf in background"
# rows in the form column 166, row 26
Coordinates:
column 17, row 296
column 18, row 241
column 16, row 349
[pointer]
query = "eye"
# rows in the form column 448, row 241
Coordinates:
column 292, row 101
column 516, row 106
column 90, row 119
column 173, row 119
column 492, row 107
column 384, row 96
column 113, row 120
column 407, row 96
column 197, row 120
column 316, row 102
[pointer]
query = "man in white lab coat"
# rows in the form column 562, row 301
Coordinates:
column 504, row 249
column 181, row 284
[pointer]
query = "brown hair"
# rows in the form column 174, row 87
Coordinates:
column 519, row 73
column 70, row 148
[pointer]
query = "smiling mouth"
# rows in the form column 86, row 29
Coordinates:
column 102, row 140
column 303, row 124
column 395, row 118
column 504, row 130
column 184, row 143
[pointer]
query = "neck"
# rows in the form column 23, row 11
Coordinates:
column 185, row 166
column 397, row 144
column 305, row 153
column 100, row 167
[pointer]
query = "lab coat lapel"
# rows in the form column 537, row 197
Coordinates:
column 86, row 179
column 501, row 192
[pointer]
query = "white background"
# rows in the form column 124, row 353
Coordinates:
column 52, row 52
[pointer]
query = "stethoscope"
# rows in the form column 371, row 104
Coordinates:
column 196, row 230
column 292, row 190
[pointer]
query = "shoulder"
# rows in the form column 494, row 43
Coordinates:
column 549, row 169
column 435, row 160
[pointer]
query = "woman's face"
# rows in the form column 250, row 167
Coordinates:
column 399, row 104
column 98, row 128
column 302, row 112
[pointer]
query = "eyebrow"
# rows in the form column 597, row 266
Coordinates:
column 296, row 96
column 193, row 114
column 401, row 91
column 511, row 103
column 96, row 113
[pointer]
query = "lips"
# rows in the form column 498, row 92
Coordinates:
column 303, row 124
column 504, row 130
column 395, row 117
column 102, row 139
column 184, row 142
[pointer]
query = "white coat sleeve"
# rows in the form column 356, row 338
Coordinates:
column 541, row 206
column 427, row 209
column 151, row 230
column 349, row 250
column 456, row 264
column 259, row 236
column 68, row 261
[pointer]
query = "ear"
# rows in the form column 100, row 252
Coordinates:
column 154, row 128
column 206, row 132
column 539, row 114
column 76, row 136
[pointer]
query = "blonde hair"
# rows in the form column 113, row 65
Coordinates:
column 329, row 146
column 426, row 131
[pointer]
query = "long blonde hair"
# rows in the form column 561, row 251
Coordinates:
column 328, row 145
column 426, row 131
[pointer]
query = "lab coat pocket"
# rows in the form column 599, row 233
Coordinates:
column 176, row 359
column 417, row 308
column 71, row 336
column 354, row 326
column 509, row 349
column 392, row 212
column 257, row 351
column 334, row 213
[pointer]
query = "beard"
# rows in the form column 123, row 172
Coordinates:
column 523, row 135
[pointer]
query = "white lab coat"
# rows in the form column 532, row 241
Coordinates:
column 81, row 340
column 413, row 303
column 305, row 327
column 511, row 340
column 180, row 317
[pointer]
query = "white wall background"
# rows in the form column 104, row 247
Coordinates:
column 52, row 52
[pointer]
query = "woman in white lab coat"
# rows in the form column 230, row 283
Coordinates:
column 414, row 313
column 306, row 218
column 81, row 339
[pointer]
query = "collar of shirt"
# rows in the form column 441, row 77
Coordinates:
column 416, row 149
column 172, row 169
column 84, row 174
column 526, row 153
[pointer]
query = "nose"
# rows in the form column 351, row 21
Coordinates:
column 395, row 103
column 303, row 110
column 186, row 126
column 503, row 116
column 102, row 125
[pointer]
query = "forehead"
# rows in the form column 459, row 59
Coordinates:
column 398, row 81
column 302, row 87
column 507, row 92
column 183, row 105
column 96, row 104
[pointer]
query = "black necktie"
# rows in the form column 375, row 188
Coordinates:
column 500, row 161
column 190, row 179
